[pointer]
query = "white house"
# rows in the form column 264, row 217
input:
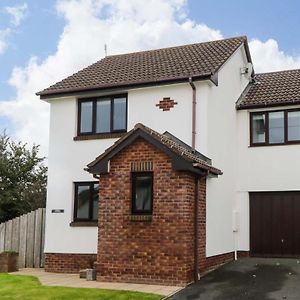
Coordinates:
column 238, row 130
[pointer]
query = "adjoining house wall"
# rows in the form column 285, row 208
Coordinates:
column 208, row 263
column 217, row 138
column 159, row 251
column 264, row 168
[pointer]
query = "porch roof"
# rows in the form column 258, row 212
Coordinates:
column 184, row 157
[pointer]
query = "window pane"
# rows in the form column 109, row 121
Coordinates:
column 119, row 113
column 83, row 201
column 276, row 127
column 95, row 201
column 258, row 128
column 103, row 116
column 143, row 193
column 294, row 126
column 86, row 116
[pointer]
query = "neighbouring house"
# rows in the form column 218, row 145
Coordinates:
column 169, row 162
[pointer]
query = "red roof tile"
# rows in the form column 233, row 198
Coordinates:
column 272, row 89
column 150, row 67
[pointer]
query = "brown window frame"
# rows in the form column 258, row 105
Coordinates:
column 285, row 122
column 134, row 211
column 91, row 185
column 94, row 115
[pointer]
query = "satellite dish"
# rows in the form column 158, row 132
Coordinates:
column 247, row 70
column 249, row 67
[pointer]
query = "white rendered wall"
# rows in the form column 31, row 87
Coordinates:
column 68, row 158
column 270, row 168
column 217, row 138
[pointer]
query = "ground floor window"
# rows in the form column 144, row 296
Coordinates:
column 142, row 192
column 86, row 201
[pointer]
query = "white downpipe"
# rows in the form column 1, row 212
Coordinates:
column 235, row 232
column 235, row 245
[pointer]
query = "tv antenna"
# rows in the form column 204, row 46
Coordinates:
column 105, row 49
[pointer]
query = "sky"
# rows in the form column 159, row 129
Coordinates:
column 41, row 42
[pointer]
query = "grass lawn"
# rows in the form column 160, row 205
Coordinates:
column 29, row 287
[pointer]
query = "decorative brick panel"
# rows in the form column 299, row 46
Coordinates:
column 166, row 104
column 68, row 263
column 157, row 251
column 141, row 166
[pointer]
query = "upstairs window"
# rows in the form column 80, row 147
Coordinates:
column 86, row 201
column 142, row 192
column 258, row 128
column 275, row 127
column 293, row 131
column 102, row 115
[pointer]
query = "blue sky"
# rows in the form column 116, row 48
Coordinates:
column 53, row 33
column 37, row 36
column 256, row 19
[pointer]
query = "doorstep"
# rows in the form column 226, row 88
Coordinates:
column 73, row 280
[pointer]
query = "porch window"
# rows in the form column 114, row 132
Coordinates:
column 86, row 201
column 142, row 192
column 102, row 115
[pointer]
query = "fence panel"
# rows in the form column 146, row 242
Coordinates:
column 25, row 235
column 37, row 239
column 23, row 239
column 15, row 234
column 2, row 235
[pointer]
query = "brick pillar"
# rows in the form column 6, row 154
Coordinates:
column 202, row 224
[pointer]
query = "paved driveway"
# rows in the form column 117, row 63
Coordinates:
column 248, row 278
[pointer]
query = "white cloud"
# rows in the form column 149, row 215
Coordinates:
column 125, row 26
column 4, row 33
column 2, row 46
column 268, row 57
column 17, row 13
column 89, row 24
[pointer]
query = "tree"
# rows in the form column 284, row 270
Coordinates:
column 23, row 178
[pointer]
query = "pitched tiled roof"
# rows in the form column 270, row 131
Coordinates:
column 272, row 89
column 150, row 67
column 179, row 148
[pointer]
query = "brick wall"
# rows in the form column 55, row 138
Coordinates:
column 68, row 263
column 217, row 260
column 202, row 224
column 159, row 251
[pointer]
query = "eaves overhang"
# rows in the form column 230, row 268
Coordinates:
column 213, row 77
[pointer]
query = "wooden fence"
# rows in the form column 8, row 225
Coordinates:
column 25, row 235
